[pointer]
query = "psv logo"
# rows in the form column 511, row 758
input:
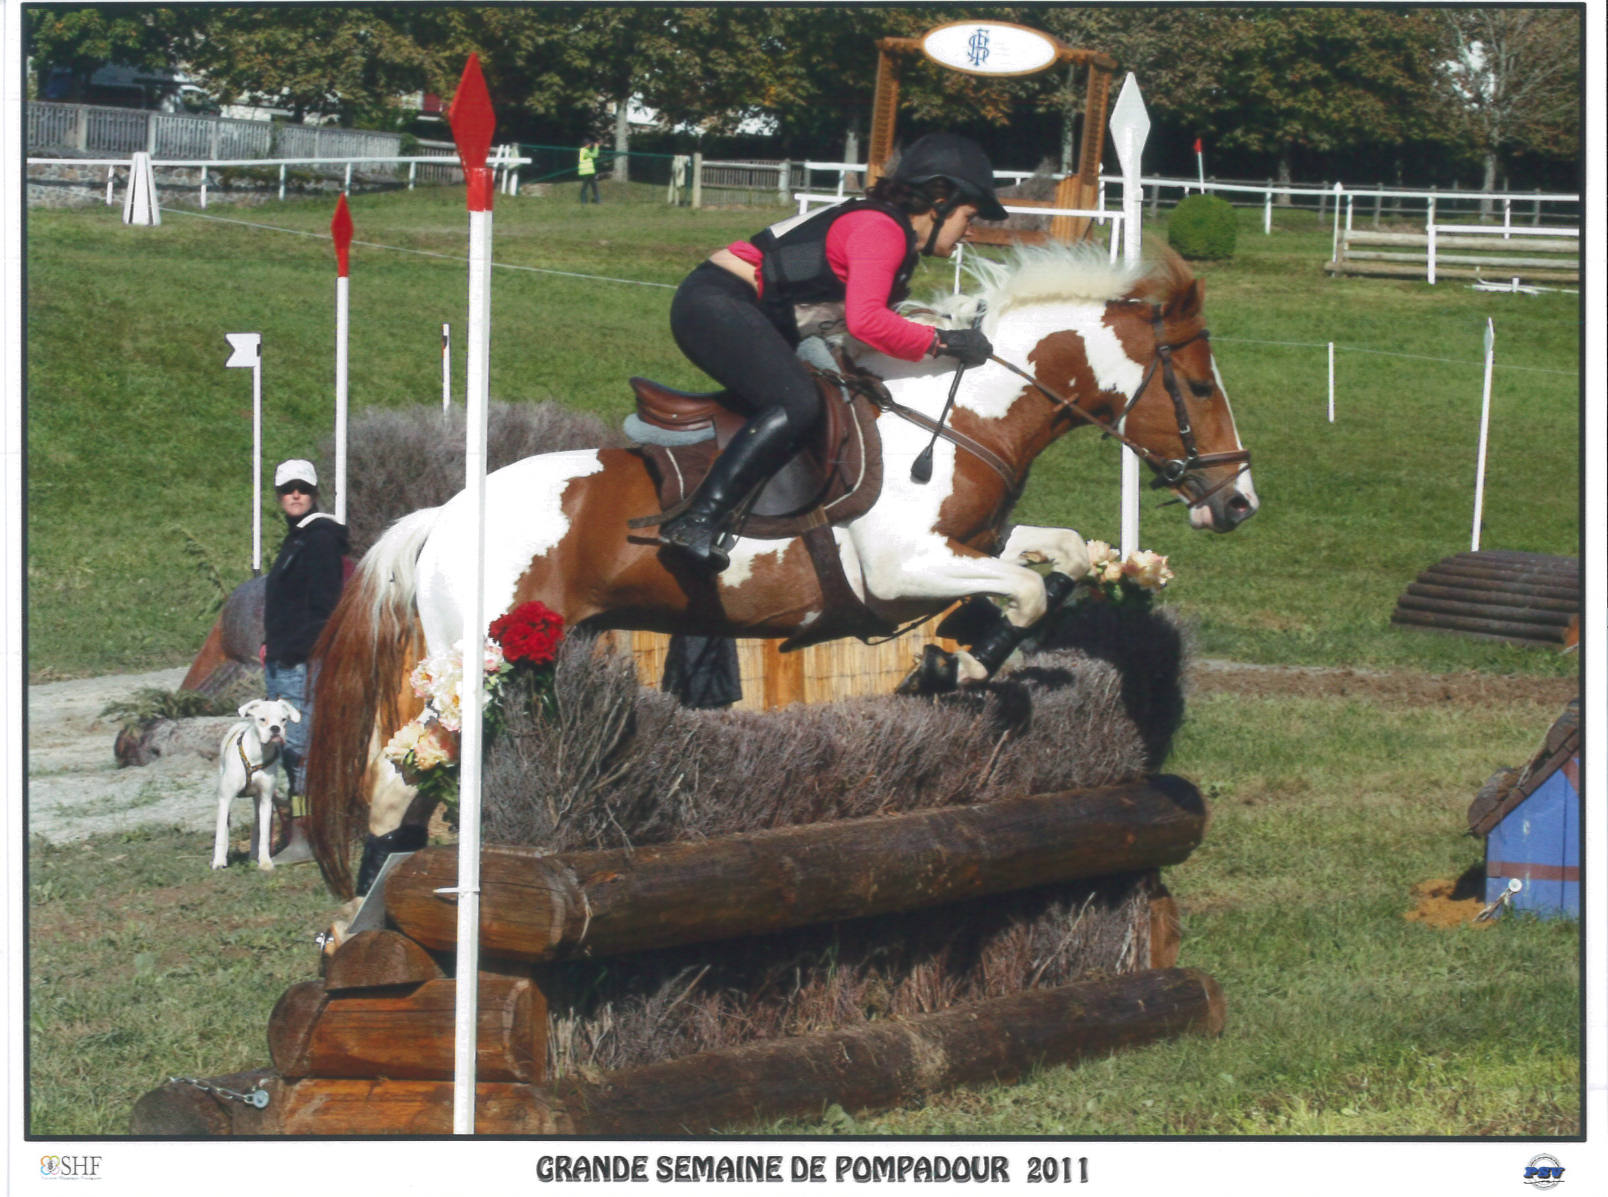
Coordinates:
column 1543, row 1172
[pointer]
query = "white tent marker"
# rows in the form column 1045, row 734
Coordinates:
column 472, row 124
column 139, row 201
column 1485, row 428
column 1130, row 126
column 246, row 352
column 341, row 229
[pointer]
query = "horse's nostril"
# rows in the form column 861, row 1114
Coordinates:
column 1239, row 503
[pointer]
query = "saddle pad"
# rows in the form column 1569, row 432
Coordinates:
column 853, row 482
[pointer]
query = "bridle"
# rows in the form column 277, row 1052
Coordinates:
column 1182, row 474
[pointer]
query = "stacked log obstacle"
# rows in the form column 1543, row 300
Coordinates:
column 368, row 1049
column 863, row 902
column 1521, row 598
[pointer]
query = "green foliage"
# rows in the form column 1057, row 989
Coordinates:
column 151, row 703
column 1203, row 228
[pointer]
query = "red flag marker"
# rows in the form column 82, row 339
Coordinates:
column 341, row 229
column 473, row 122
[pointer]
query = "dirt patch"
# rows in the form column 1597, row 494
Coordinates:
column 1412, row 689
column 1441, row 904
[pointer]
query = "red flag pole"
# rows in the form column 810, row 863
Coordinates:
column 473, row 123
column 340, row 229
column 1200, row 165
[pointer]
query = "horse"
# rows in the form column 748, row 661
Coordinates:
column 1105, row 343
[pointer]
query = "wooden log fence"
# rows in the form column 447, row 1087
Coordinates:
column 1521, row 598
column 368, row 1049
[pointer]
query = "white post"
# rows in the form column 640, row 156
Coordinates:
column 111, row 172
column 1507, row 218
column 1429, row 255
column 1331, row 382
column 281, row 180
column 413, row 170
column 346, row 187
column 340, row 228
column 247, row 353
column 472, row 125
column 1485, row 427
column 959, row 254
column 203, row 186
column 1339, row 188
column 1130, row 126
column 446, row 368
column 1267, row 214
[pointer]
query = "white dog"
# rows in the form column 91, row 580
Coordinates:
column 248, row 767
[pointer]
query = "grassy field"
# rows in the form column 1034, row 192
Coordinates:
column 1344, row 1018
column 139, row 441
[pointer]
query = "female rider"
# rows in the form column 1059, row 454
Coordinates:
column 740, row 315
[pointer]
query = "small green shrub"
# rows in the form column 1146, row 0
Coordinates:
column 1203, row 227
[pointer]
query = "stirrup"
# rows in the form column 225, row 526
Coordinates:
column 698, row 541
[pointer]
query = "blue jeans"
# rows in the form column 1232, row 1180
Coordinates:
column 293, row 684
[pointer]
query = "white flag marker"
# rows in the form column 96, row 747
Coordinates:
column 246, row 353
column 1130, row 127
column 446, row 368
column 1485, row 428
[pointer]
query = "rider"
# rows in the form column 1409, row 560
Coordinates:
column 739, row 315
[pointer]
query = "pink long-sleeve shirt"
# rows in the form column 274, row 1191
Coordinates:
column 865, row 250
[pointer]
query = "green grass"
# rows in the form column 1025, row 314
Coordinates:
column 1343, row 1017
column 139, row 440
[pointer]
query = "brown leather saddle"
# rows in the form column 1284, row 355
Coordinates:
column 834, row 478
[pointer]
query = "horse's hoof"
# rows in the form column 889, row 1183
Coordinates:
column 220, row 864
column 938, row 672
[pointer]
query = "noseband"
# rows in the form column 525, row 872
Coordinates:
column 1182, row 473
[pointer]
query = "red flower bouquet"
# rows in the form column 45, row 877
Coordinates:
column 529, row 634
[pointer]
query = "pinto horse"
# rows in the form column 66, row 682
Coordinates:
column 1104, row 342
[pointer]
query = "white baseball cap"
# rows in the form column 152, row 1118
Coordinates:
column 295, row 470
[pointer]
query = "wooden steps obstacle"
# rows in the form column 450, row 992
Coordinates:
column 367, row 1049
column 1497, row 594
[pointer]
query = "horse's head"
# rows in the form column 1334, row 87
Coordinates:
column 1179, row 411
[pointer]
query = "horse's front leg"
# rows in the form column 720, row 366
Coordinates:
column 942, row 570
column 1061, row 547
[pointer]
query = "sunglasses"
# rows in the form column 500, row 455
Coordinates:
column 295, row 488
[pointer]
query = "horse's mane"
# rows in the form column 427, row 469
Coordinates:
column 1053, row 271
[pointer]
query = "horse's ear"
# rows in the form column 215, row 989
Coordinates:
column 1186, row 302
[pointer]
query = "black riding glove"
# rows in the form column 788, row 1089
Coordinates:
column 968, row 345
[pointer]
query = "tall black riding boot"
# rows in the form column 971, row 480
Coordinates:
column 754, row 454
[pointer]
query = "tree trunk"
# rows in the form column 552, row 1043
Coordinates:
column 1489, row 185
column 622, row 140
column 1283, row 199
column 536, row 907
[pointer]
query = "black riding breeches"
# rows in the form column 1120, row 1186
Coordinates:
column 717, row 322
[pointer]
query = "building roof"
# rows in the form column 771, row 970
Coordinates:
column 1507, row 789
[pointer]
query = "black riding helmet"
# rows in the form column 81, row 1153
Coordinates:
column 961, row 162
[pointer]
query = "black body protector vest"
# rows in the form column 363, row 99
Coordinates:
column 802, row 296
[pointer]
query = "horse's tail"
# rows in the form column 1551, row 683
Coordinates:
column 368, row 647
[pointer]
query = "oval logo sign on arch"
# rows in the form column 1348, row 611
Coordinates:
column 990, row 48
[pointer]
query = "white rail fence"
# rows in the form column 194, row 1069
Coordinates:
column 92, row 129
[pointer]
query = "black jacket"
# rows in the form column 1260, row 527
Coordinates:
column 303, row 587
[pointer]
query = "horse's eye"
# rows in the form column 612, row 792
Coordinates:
column 1201, row 390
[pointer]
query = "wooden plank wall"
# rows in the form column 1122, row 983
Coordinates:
column 820, row 673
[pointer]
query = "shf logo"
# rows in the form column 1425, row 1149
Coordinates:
column 70, row 1167
column 977, row 48
column 1544, row 1172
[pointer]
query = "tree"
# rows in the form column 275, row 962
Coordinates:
column 1511, row 81
column 82, row 40
column 345, row 62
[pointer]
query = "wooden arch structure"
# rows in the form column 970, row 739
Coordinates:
column 1079, row 189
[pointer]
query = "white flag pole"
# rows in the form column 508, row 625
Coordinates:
column 446, row 368
column 1485, row 428
column 1130, row 126
column 1331, row 382
column 341, row 229
column 246, row 352
column 472, row 124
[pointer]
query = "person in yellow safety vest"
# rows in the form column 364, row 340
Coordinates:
column 586, row 167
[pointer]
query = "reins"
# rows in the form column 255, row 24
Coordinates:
column 1170, row 471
